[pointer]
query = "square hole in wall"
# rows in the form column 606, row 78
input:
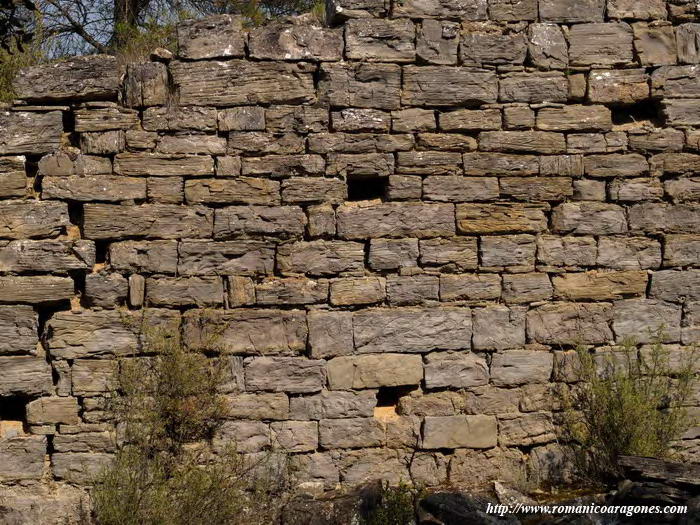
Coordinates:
column 388, row 401
column 12, row 416
column 363, row 188
column 637, row 114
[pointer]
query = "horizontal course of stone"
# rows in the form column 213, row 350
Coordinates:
column 397, row 227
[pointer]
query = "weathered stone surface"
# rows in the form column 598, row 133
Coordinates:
column 388, row 254
column 155, row 164
column 443, row 86
column 522, row 141
column 295, row 42
column 420, row 220
column 180, row 118
column 625, row 86
column 600, row 285
column 293, row 290
column 167, row 221
column 657, row 140
column 284, row 374
column 13, row 179
column 655, row 45
column 675, row 286
column 72, row 163
column 481, row 164
column 244, row 190
column 105, row 119
column 320, row 257
column 570, row 323
column 283, row 221
column 466, row 10
column 374, row 370
column 638, row 189
column 93, row 377
column 644, row 319
column 282, row 165
column 470, row 120
column 534, row 87
column 238, row 82
column 144, row 256
column 566, row 251
column 36, row 289
column 676, row 82
column 500, row 218
column 687, row 43
column 412, row 289
column 459, row 432
column 644, row 9
column 537, row 189
column 526, row 288
column 350, row 433
column 526, row 430
column 212, row 37
column 589, row 218
column 483, row 45
column 258, row 406
column 357, row 290
column 682, row 250
column 518, row 367
column 361, row 119
column 22, row 458
column 455, row 370
column 600, row 44
column 514, row 251
column 664, row 217
column 184, row 291
column 247, row 331
column 25, row 376
column 547, row 46
column 469, row 287
column 30, row 132
column 499, row 327
column 334, row 405
column 412, row 329
column 457, row 252
column 101, row 188
column 330, row 333
column 243, row 257
column 246, row 436
column 361, row 85
column 295, row 436
column 575, row 118
column 629, row 253
column 189, row 144
column 681, row 112
column 53, row 410
column 437, row 41
column 380, row 40
column 91, row 77
column 18, row 330
column 106, row 290
column 446, row 142
column 46, row 256
column 587, row 11
column 146, row 84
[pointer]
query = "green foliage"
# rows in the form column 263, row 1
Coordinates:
column 134, row 44
column 630, row 402
column 395, row 506
column 14, row 59
column 167, row 469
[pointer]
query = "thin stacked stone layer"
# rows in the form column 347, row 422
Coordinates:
column 397, row 226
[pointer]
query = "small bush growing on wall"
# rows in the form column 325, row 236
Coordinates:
column 629, row 402
column 166, row 471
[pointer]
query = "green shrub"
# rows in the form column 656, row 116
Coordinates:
column 166, row 470
column 629, row 402
column 12, row 61
column 394, row 506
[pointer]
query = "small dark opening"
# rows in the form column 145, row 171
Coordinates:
column 13, row 408
column 645, row 111
column 101, row 248
column 388, row 396
column 366, row 188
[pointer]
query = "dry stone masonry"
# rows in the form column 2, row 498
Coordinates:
column 397, row 226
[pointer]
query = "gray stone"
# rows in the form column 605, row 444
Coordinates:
column 180, row 118
column 240, row 257
column 591, row 218
column 655, row 45
column 392, row 254
column 534, row 87
column 499, row 327
column 675, row 286
column 211, row 37
column 570, row 323
column 526, row 430
column 547, row 46
column 521, row 367
column 279, row 41
column 466, row 10
column 527, row 288
column 295, row 436
column 688, row 44
column 586, row 11
column 350, row 433
column 244, row 190
column 25, row 375
column 22, row 458
column 600, row 44
column 457, row 252
column 320, row 257
column 184, row 291
column 32, row 219
column 330, row 333
column 334, row 405
column 470, row 287
column 515, row 252
column 94, row 377
column 488, row 45
column 448, row 86
column 643, row 319
column 282, row 221
column 455, row 370
column 53, row 410
column 391, row 219
column 374, row 370
column 566, row 251
column 46, row 256
column 362, row 85
column 459, row 432
column 257, row 406
column 35, row 289
column 285, row 374
column 18, row 330
column 144, row 256
column 437, row 41
column 412, row 289
column 383, row 40
column 629, row 253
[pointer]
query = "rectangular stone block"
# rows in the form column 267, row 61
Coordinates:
column 622, row 86
column 180, row 118
column 100, row 333
column 362, row 85
column 13, row 179
column 388, row 254
column 466, row 10
column 600, row 286
column 320, row 257
column 185, row 291
column 157, row 164
column 459, row 432
column 675, row 82
column 296, row 375
column 262, row 143
column 412, row 329
column 26, row 376
column 547, row 46
column 357, row 290
column 470, row 120
column 295, row 436
column 629, row 253
column 412, row 289
column 522, row 142
column 682, row 250
column 239, row 82
column 246, row 331
column 212, row 37
column 144, row 256
column 192, row 144
column 283, row 221
column 258, row 406
column 284, row 165
column 429, row 162
column 681, row 112
column 491, row 48
column 616, row 165
column 565, row 13
column 105, row 118
column 591, row 218
column 392, row 219
column 292, row 290
column 675, row 286
column 22, row 458
column 301, row 190
column 330, row 333
column 29, row 132
column 94, row 377
column 526, row 430
column 537, row 189
column 481, row 164
column 521, row 367
column 570, row 323
column 53, row 410
column 600, row 44
column 575, row 118
column 501, row 218
column 638, row 189
column 32, row 219
column 437, row 41
column 374, row 370
column 244, row 190
column 457, row 252
column 18, row 330
column 448, row 86
column 513, row 252
column 566, row 251
column 470, row 287
column 35, row 289
column 659, row 217
column 46, row 256
column 643, row 319
column 240, row 257
column 351, row 433
column 534, row 87
column 334, row 405
column 382, row 40
column 94, row 188
column 280, row 41
column 455, row 370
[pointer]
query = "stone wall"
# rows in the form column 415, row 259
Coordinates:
column 400, row 225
